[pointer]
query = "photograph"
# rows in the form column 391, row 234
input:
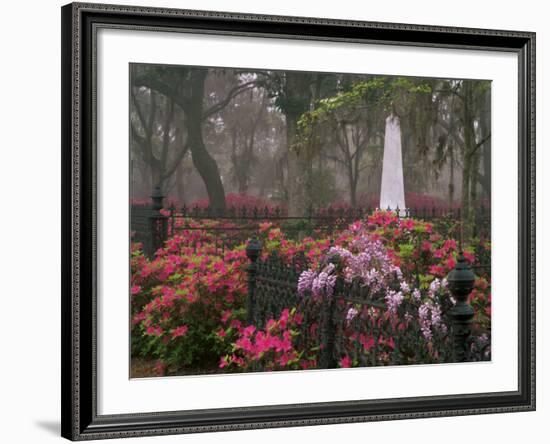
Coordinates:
column 286, row 220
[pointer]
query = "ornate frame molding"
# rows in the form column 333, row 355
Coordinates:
column 79, row 407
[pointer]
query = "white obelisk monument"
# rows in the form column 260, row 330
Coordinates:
column 392, row 192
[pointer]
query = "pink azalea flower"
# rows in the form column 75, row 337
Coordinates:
column 239, row 361
column 244, row 343
column 367, row 343
column 449, row 244
column 285, row 358
column 264, row 226
column 345, row 362
column 135, row 289
column 450, row 263
column 469, row 256
column 160, row 368
column 179, row 331
column 154, row 331
column 284, row 345
column 138, row 318
column 407, row 224
column 284, row 318
column 437, row 270
column 145, row 271
column 247, row 331
column 274, row 234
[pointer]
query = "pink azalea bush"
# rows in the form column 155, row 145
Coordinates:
column 271, row 348
column 179, row 299
column 423, row 254
column 367, row 264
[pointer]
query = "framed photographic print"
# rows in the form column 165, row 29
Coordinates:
column 278, row 221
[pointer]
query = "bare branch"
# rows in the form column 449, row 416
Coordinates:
column 166, row 132
column 162, row 88
column 485, row 139
column 223, row 103
column 138, row 109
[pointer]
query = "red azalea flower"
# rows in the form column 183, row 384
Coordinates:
column 437, row 270
column 470, row 257
column 450, row 263
column 179, row 331
column 449, row 244
column 345, row 362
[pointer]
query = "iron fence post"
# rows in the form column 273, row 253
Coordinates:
column 461, row 283
column 253, row 251
column 327, row 358
column 172, row 230
column 158, row 223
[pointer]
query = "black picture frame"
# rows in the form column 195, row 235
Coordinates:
column 80, row 420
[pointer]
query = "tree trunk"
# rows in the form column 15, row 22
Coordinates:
column 243, row 185
column 466, row 173
column 296, row 177
column 451, row 176
column 473, row 177
column 180, row 186
column 469, row 172
column 353, row 191
column 203, row 161
column 156, row 174
column 485, row 125
column 297, row 94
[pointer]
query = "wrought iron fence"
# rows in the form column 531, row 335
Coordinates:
column 353, row 321
column 224, row 229
column 272, row 283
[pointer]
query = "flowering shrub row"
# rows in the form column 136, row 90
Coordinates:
column 238, row 201
column 188, row 303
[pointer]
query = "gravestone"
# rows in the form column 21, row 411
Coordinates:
column 392, row 192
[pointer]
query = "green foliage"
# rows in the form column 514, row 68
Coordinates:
column 292, row 105
column 406, row 251
column 321, row 187
column 298, row 228
column 376, row 94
